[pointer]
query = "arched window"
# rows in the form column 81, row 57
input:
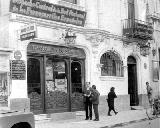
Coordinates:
column 111, row 64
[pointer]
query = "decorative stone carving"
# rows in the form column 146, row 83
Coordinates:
column 95, row 39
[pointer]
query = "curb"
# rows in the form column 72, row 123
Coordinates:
column 130, row 122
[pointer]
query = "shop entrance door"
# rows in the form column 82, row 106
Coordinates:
column 34, row 81
column 56, row 85
column 132, row 81
column 77, row 82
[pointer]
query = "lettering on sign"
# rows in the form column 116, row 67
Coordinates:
column 55, row 50
column 28, row 32
column 18, row 70
column 46, row 10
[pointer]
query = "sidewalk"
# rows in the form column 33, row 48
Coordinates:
column 122, row 118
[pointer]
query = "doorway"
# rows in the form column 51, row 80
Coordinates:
column 34, row 81
column 55, row 84
column 77, row 80
column 132, row 81
column 55, row 77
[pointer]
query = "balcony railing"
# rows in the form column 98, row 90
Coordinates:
column 138, row 29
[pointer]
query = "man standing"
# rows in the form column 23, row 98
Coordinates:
column 149, row 93
column 95, row 101
column 87, row 101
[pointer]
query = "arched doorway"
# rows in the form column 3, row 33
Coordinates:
column 77, row 80
column 132, row 81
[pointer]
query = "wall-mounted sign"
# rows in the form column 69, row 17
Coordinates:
column 28, row 32
column 55, row 50
column 17, row 55
column 46, row 10
column 18, row 70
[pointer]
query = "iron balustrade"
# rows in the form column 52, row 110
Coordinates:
column 138, row 29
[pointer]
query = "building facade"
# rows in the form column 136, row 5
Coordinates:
column 51, row 48
column 154, row 17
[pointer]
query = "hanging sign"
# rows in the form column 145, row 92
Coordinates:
column 18, row 70
column 28, row 32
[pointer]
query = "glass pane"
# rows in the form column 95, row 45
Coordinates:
column 34, row 84
column 76, row 79
column 3, row 89
column 56, row 85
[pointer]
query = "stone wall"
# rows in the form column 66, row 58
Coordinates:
column 122, row 103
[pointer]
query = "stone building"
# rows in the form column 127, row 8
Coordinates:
column 154, row 17
column 50, row 48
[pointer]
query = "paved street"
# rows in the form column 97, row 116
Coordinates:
column 144, row 124
column 136, row 118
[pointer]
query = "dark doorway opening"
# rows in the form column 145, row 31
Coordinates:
column 77, row 82
column 76, row 77
column 34, row 81
column 132, row 81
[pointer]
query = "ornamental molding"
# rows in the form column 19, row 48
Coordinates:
column 95, row 39
column 95, row 36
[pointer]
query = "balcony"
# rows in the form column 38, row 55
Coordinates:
column 137, row 29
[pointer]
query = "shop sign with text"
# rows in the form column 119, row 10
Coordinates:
column 28, row 32
column 48, row 11
column 18, row 70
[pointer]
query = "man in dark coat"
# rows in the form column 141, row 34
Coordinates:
column 149, row 93
column 87, row 101
column 111, row 96
column 95, row 101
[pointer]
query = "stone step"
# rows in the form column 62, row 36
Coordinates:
column 137, row 107
column 59, row 116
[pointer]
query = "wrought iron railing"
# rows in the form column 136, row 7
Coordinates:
column 137, row 29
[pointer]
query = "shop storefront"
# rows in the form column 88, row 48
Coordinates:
column 55, row 78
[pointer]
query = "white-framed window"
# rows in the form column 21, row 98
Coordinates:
column 71, row 1
column 112, row 65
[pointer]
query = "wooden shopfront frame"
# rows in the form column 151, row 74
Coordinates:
column 69, row 56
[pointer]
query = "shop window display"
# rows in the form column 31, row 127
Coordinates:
column 3, row 89
column 56, row 84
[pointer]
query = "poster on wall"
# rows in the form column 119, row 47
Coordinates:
column 59, row 67
column 18, row 70
column 61, row 84
column 3, row 89
column 155, row 66
column 49, row 73
column 50, row 86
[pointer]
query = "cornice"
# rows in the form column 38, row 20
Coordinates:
column 95, row 36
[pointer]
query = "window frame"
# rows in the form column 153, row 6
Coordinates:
column 112, row 65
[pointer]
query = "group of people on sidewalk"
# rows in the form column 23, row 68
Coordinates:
column 91, row 98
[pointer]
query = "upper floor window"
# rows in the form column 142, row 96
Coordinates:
column 111, row 64
column 131, row 9
column 71, row 1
